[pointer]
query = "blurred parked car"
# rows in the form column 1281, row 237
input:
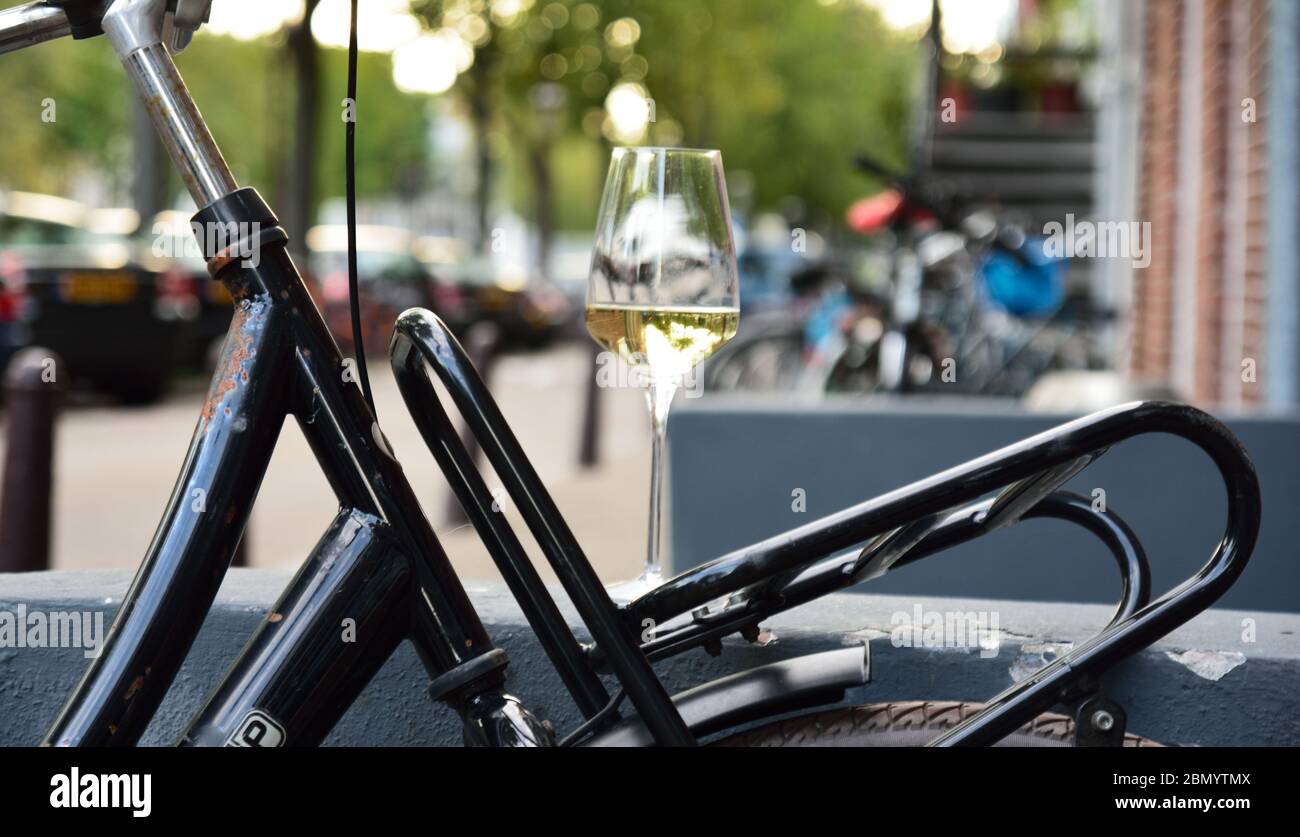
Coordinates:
column 89, row 291
column 171, row 240
column 13, row 294
column 570, row 269
column 529, row 310
column 390, row 279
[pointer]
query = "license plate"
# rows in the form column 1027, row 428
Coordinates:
column 97, row 287
column 494, row 299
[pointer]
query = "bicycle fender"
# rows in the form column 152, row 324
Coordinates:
column 772, row 689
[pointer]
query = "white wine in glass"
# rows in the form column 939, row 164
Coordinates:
column 663, row 291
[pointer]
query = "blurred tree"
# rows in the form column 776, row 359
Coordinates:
column 392, row 127
column 537, row 68
column 298, row 210
column 787, row 90
column 250, row 114
column 784, row 89
column 64, row 114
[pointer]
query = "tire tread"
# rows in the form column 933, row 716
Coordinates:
column 859, row 724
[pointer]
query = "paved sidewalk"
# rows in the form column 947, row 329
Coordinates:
column 115, row 468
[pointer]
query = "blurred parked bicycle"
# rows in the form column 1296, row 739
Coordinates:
column 970, row 305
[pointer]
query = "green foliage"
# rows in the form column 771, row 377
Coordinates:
column 81, row 86
column 392, row 129
column 251, row 116
column 246, row 111
column 246, row 94
column 787, row 90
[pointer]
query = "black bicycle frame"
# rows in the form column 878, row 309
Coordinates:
column 379, row 575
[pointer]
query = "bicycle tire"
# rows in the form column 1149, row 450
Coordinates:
column 902, row 724
column 764, row 362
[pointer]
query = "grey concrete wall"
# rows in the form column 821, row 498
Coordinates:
column 734, row 463
column 1171, row 695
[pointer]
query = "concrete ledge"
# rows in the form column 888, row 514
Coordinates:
column 1253, row 701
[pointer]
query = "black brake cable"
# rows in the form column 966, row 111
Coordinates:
column 594, row 721
column 350, row 175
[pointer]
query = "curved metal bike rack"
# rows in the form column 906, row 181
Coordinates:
column 734, row 592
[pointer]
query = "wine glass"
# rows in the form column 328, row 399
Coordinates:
column 663, row 291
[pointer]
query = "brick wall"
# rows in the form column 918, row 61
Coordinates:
column 1255, row 295
column 1157, row 194
column 1210, row 301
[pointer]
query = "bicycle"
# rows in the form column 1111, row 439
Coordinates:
column 380, row 565
column 959, row 316
column 976, row 304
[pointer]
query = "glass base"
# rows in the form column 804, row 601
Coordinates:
column 623, row 592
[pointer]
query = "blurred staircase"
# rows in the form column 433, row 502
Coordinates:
column 1031, row 167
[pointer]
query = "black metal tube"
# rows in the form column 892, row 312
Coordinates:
column 1120, row 540
column 503, row 546
column 1123, row 543
column 422, row 331
column 332, row 628
column 1048, row 686
column 961, row 526
column 348, row 443
column 201, row 526
column 278, row 355
column 947, row 490
column 356, row 457
column 483, row 345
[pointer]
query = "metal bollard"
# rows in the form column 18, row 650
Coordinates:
column 589, row 444
column 33, row 392
column 240, row 558
column 483, row 345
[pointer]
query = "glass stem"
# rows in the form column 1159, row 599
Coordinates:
column 659, row 396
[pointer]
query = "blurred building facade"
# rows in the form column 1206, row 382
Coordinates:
column 1212, row 129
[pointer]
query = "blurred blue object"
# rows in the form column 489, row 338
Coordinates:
column 823, row 321
column 765, row 276
column 1028, row 283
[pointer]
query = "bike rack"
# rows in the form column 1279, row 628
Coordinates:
column 733, row 593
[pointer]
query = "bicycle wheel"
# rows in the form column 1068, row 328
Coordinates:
column 910, row 723
column 767, row 361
